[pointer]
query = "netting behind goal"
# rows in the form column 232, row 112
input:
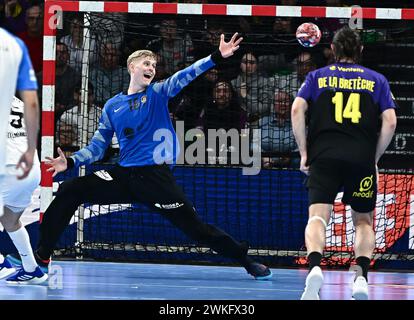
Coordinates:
column 252, row 90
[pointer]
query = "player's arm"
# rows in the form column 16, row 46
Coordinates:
column 27, row 87
column 31, row 117
column 389, row 120
column 174, row 84
column 94, row 151
column 389, row 123
column 299, row 108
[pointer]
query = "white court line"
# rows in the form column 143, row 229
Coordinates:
column 173, row 286
column 115, row 297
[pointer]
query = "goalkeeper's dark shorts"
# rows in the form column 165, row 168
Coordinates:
column 358, row 182
column 153, row 186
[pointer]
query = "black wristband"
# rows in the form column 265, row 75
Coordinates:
column 217, row 57
column 70, row 163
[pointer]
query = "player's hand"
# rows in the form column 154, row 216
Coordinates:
column 303, row 167
column 25, row 163
column 227, row 49
column 58, row 164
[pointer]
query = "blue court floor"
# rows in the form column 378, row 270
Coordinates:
column 78, row 280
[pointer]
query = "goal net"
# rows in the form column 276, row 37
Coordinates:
column 251, row 92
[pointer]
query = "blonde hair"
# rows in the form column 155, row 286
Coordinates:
column 140, row 54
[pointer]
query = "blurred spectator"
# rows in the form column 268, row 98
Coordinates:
column 223, row 111
column 66, row 79
column 194, row 97
column 176, row 49
column 33, row 36
column 283, row 26
column 276, row 131
column 210, row 39
column 254, row 91
column 304, row 63
column 66, row 137
column 71, row 120
column 135, row 36
column 109, row 27
column 75, row 43
column 161, row 70
column 15, row 15
column 209, row 43
column 274, row 56
column 108, row 78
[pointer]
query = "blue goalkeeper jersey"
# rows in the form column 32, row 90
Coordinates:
column 142, row 123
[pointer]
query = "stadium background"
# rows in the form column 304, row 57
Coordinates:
column 268, row 210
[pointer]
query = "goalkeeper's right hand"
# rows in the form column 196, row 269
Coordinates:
column 58, row 164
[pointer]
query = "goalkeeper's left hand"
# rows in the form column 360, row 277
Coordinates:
column 58, row 164
column 227, row 49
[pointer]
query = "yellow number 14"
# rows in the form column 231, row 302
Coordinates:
column 351, row 109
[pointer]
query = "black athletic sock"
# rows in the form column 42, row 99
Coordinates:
column 314, row 259
column 364, row 262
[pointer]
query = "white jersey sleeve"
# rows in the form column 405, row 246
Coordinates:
column 16, row 72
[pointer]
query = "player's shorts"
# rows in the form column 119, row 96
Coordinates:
column 17, row 194
column 327, row 177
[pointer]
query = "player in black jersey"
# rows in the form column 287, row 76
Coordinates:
column 342, row 104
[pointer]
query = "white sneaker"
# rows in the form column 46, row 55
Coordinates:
column 314, row 282
column 360, row 289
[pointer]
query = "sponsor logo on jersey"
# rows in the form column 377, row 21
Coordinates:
column 12, row 135
column 350, row 69
column 364, row 186
column 366, row 183
column 169, row 206
column 104, row 175
column 32, row 75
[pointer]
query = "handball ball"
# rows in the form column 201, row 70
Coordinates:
column 308, row 34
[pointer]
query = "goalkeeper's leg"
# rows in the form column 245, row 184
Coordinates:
column 163, row 194
column 98, row 188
